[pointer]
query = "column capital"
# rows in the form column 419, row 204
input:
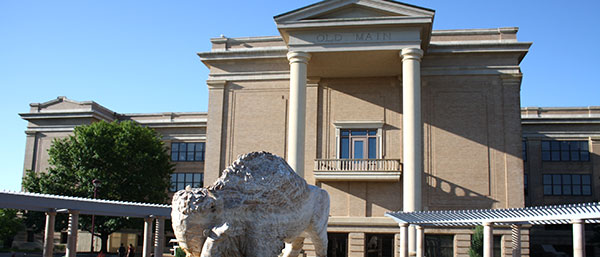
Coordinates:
column 403, row 225
column 487, row 223
column 216, row 84
column 411, row 54
column 296, row 56
column 577, row 221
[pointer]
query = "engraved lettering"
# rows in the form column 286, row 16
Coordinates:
column 329, row 37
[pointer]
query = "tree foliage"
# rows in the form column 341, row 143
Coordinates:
column 10, row 224
column 476, row 249
column 130, row 161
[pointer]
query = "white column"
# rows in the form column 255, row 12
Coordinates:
column 578, row 238
column 420, row 242
column 412, row 138
column 159, row 237
column 404, row 240
column 147, row 250
column 516, row 239
column 488, row 239
column 72, row 233
column 49, row 234
column 297, row 110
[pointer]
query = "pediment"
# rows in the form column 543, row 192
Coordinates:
column 353, row 9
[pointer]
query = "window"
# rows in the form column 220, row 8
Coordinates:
column 180, row 180
column 524, row 147
column 358, row 143
column 574, row 151
column 439, row 245
column 30, row 236
column 567, row 184
column 63, row 237
column 190, row 152
column 337, row 244
column 379, row 245
column 526, row 184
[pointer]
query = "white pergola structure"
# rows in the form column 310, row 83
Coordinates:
column 576, row 214
column 74, row 206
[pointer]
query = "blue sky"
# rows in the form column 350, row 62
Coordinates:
column 139, row 56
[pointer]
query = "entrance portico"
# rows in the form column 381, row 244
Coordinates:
column 327, row 41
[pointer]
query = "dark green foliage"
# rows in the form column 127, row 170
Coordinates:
column 131, row 162
column 476, row 249
column 10, row 224
column 179, row 252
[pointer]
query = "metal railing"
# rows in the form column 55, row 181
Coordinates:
column 358, row 165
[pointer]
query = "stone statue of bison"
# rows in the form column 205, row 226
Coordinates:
column 258, row 204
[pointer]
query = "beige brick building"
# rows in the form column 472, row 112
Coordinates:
column 366, row 101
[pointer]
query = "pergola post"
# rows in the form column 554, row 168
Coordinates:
column 420, row 240
column 488, row 239
column 578, row 238
column 49, row 234
column 72, row 233
column 516, row 239
column 147, row 250
column 159, row 237
column 403, row 239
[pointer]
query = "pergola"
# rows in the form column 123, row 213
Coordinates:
column 576, row 214
column 51, row 204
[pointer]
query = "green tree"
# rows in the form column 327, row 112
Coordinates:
column 476, row 249
column 10, row 224
column 130, row 161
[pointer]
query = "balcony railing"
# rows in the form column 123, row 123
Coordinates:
column 357, row 169
column 357, row 165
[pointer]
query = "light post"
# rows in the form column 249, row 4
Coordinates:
column 96, row 183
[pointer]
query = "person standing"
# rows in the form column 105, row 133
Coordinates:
column 130, row 251
column 121, row 251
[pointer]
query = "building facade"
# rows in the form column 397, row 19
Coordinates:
column 366, row 101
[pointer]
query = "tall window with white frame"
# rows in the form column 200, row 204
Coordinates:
column 358, row 143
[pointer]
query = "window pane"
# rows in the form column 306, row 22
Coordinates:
column 574, row 155
column 564, row 145
column 345, row 148
column 564, row 155
column 190, row 156
column 345, row 132
column 556, row 156
column 585, row 155
column 199, row 156
column 547, row 179
column 174, row 156
column 566, row 189
column 196, row 178
column 586, row 190
column 566, row 179
column 360, row 132
column 199, row 147
column 358, row 150
column 182, row 156
column 556, row 179
column 372, row 132
column 173, row 187
column 555, row 145
column 545, row 145
column 191, row 147
column 182, row 147
column 576, row 179
column 547, row 190
column 585, row 179
column 583, row 145
column 576, row 189
column 372, row 148
column 174, row 177
column 546, row 156
column 180, row 186
column 175, row 146
column 556, row 190
column 574, row 146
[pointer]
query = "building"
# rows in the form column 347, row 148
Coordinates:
column 366, row 101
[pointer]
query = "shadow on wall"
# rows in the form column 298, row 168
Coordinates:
column 445, row 195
